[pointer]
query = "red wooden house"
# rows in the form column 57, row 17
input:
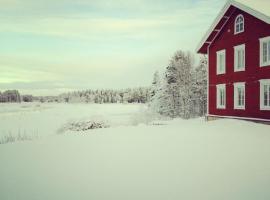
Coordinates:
column 238, row 49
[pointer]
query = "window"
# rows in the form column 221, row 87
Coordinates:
column 221, row 62
column 239, row 58
column 221, row 96
column 265, row 51
column 265, row 94
column 239, row 24
column 239, row 95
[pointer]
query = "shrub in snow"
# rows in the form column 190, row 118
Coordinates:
column 13, row 137
column 83, row 125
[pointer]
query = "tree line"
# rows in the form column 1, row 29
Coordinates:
column 129, row 95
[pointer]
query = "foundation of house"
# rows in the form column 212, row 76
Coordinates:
column 213, row 118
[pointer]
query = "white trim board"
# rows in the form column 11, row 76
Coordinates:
column 252, row 11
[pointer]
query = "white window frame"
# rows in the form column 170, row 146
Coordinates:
column 262, row 41
column 238, row 48
column 236, row 24
column 264, row 82
column 221, row 53
column 242, row 86
column 218, row 100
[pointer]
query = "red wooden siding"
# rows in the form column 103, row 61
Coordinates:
column 254, row 30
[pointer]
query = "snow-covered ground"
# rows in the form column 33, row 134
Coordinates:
column 170, row 160
column 39, row 120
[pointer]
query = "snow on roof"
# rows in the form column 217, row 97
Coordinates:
column 258, row 8
column 262, row 6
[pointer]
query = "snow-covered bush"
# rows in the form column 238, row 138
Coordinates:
column 83, row 125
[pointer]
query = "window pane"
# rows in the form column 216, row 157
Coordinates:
column 241, row 26
column 269, row 51
column 237, row 28
column 223, row 91
column 238, row 59
column 243, row 97
column 243, row 58
column 221, row 62
column 268, row 95
column 265, row 95
column 239, row 97
column 221, row 97
column 264, row 52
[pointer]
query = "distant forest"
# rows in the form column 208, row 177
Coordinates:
column 130, row 95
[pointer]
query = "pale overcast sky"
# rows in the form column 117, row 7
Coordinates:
column 48, row 47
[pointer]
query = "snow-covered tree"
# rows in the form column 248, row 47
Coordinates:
column 199, row 87
column 182, row 91
column 155, row 84
column 176, row 98
column 10, row 96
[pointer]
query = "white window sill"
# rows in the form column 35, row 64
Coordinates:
column 235, row 33
column 221, row 108
column 265, row 64
column 239, row 70
column 220, row 73
column 265, row 108
column 239, row 108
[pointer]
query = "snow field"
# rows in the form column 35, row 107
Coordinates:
column 181, row 159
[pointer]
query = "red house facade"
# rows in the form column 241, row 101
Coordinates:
column 238, row 49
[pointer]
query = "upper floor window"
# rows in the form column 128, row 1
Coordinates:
column 239, row 58
column 239, row 24
column 265, row 51
column 265, row 94
column 221, row 62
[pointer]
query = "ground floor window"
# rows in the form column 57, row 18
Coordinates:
column 221, row 96
column 265, row 94
column 239, row 95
